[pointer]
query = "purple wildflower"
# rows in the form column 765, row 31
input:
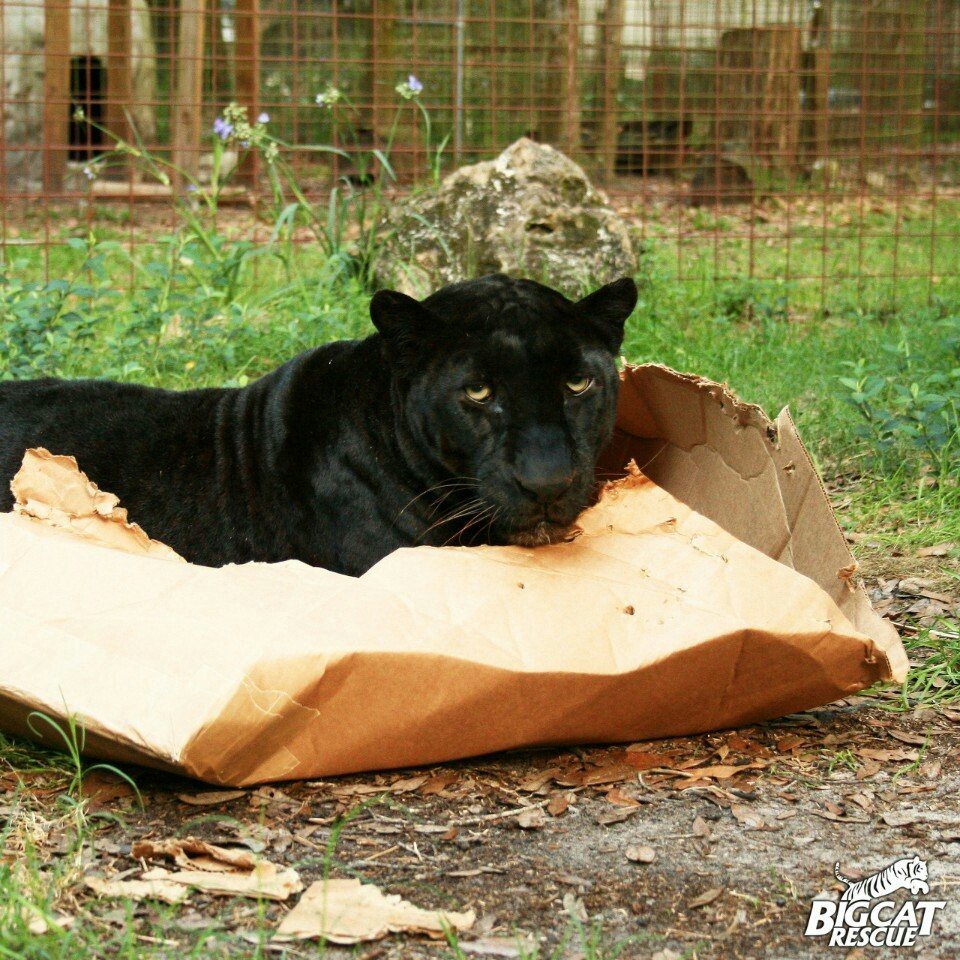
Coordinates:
column 414, row 84
column 222, row 128
column 263, row 118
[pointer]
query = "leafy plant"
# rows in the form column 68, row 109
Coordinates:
column 348, row 225
column 915, row 410
column 74, row 738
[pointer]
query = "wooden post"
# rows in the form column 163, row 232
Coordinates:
column 818, row 82
column 56, row 92
column 384, row 69
column 247, row 66
column 612, row 50
column 570, row 125
column 188, row 88
column 119, row 68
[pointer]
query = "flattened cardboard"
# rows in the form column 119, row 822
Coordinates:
column 711, row 598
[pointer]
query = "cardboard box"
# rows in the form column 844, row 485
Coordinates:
column 711, row 589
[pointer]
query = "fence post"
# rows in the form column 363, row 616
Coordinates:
column 384, row 70
column 188, row 89
column 247, row 54
column 119, row 68
column 56, row 92
column 612, row 49
column 570, row 136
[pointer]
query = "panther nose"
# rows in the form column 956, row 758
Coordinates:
column 544, row 485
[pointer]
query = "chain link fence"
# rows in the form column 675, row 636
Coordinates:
column 806, row 145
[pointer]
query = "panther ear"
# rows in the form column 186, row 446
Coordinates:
column 403, row 321
column 607, row 310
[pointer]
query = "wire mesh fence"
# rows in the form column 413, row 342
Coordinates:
column 812, row 145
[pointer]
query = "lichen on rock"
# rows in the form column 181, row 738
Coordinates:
column 531, row 212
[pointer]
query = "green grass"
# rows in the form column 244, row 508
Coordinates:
column 192, row 318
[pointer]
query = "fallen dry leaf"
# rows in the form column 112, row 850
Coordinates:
column 407, row 785
column 574, row 907
column 707, row 897
column 839, row 817
column 748, row 817
column 138, row 889
column 348, row 911
column 931, row 770
column 868, row 769
column 641, row 760
column 904, row 736
column 100, row 787
column 439, row 782
column 537, row 781
column 266, row 880
column 726, row 771
column 620, row 799
column 531, row 819
column 885, row 756
column 219, row 870
column 611, row 773
column 496, row 947
column 701, row 828
column 210, row 797
column 558, row 805
column 898, row 818
column 937, row 550
column 195, row 854
column 641, row 854
column 617, row 815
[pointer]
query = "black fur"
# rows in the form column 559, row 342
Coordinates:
column 354, row 449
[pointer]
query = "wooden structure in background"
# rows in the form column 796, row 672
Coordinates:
column 570, row 88
column 119, row 68
column 611, row 73
column 385, row 72
column 247, row 71
column 188, row 89
column 758, row 93
column 56, row 92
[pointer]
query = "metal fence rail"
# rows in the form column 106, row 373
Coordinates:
column 748, row 137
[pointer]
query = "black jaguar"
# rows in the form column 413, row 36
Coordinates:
column 474, row 416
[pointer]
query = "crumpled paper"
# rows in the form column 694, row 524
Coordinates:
column 717, row 596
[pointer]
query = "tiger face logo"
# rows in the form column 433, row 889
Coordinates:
column 864, row 915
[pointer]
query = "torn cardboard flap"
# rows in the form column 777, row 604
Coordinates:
column 710, row 598
column 54, row 490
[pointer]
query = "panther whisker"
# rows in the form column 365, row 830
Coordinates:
column 462, row 511
column 450, row 485
column 476, row 519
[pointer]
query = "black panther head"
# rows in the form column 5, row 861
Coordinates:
column 511, row 388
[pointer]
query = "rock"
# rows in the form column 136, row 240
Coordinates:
column 532, row 212
column 720, row 180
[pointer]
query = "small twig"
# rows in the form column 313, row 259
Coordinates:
column 486, row 818
column 382, row 853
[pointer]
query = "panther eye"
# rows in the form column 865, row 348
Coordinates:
column 580, row 385
column 478, row 392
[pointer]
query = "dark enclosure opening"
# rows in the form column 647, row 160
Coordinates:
column 88, row 92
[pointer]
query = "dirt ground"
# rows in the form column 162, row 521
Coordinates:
column 696, row 847
column 741, row 829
